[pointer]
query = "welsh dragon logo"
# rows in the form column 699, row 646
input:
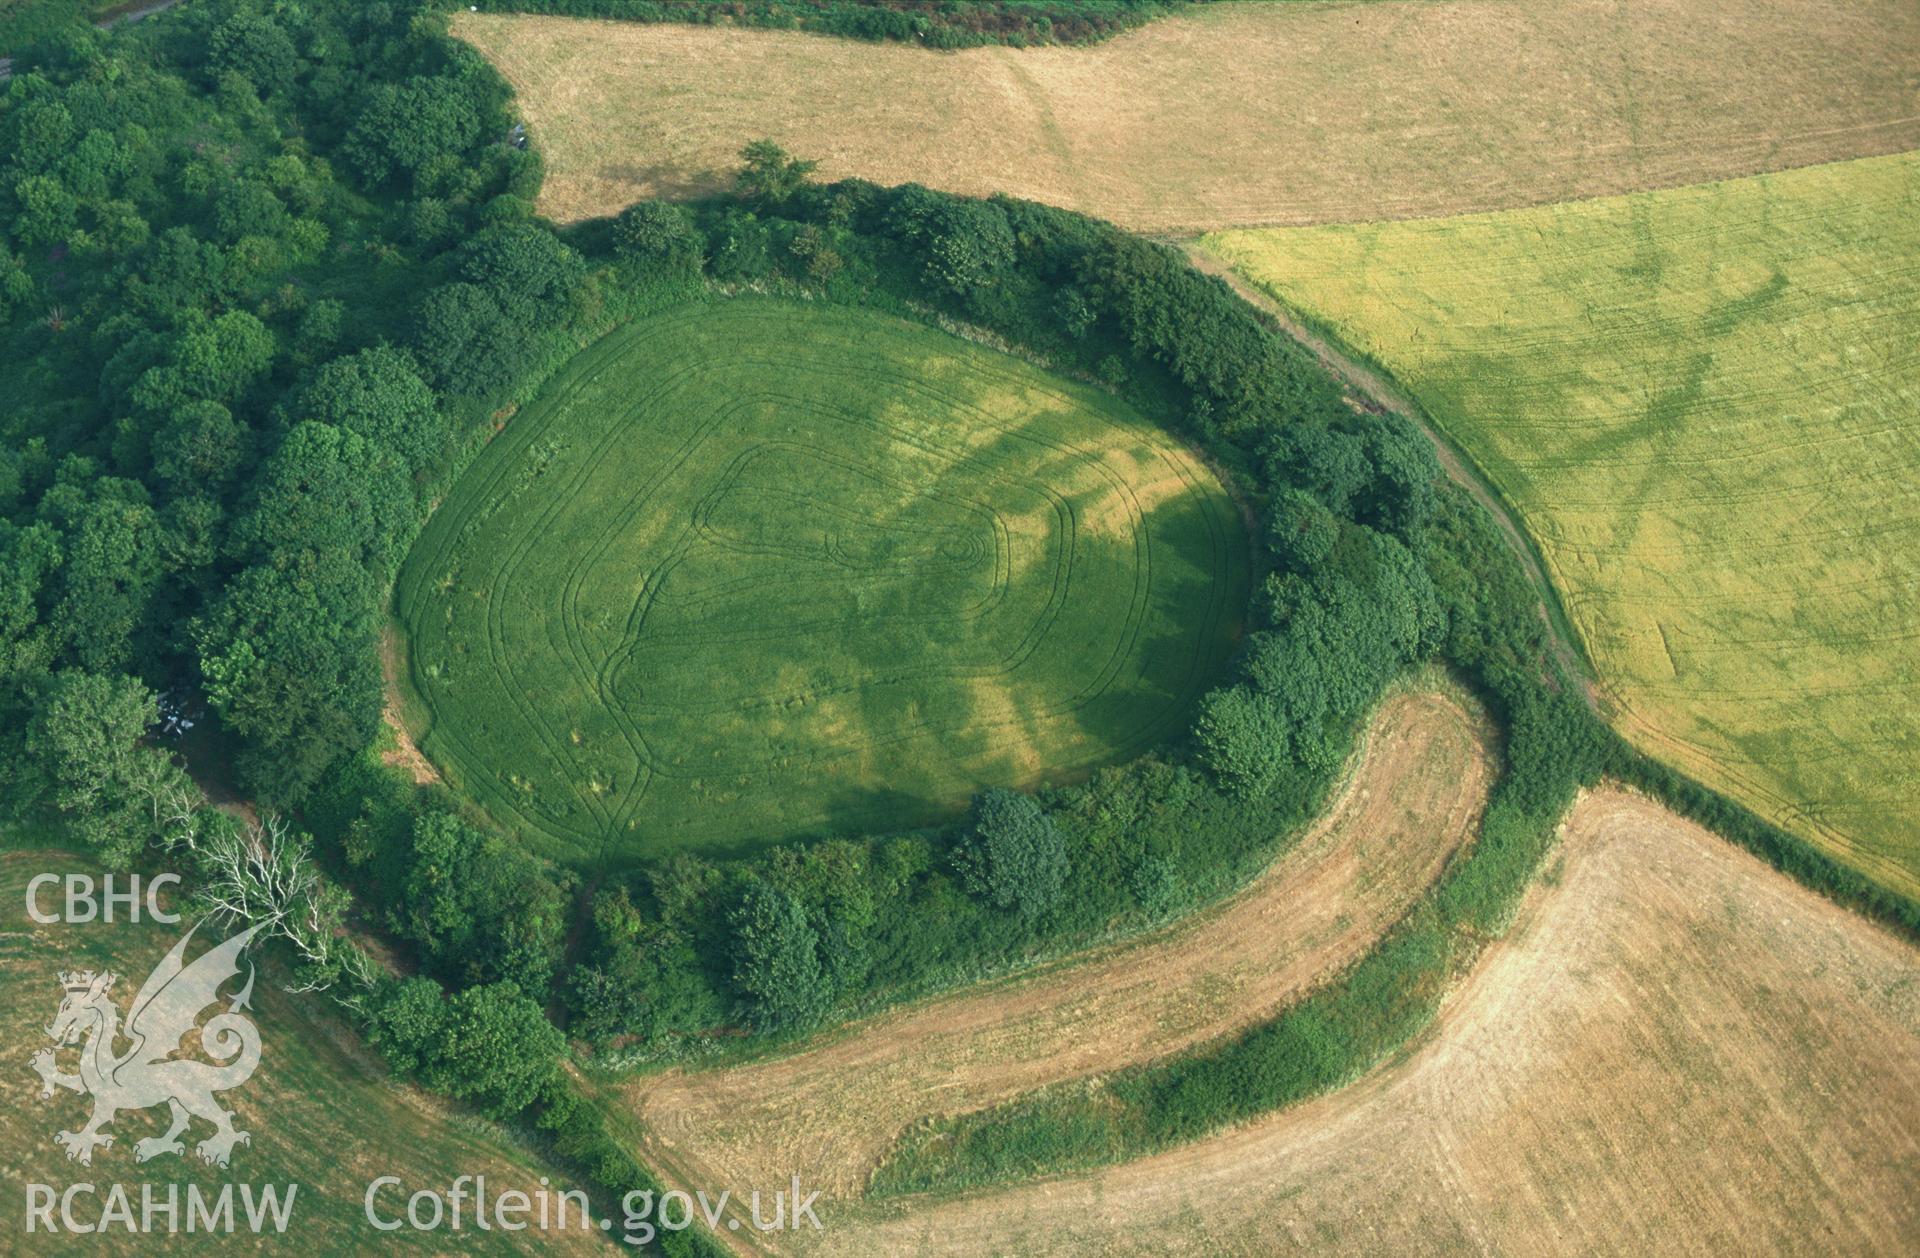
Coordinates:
column 166, row 1008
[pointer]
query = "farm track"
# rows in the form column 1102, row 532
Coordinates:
column 829, row 1111
column 1675, row 1050
column 1236, row 115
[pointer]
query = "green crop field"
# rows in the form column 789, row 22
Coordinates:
column 320, row 1111
column 757, row 569
column 1706, row 404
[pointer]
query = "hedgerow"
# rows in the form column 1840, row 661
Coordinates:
column 932, row 23
column 1553, row 746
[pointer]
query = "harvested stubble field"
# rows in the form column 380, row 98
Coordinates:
column 1236, row 115
column 1675, row 1050
column 756, row 569
column 829, row 1111
column 321, row 1112
column 1705, row 403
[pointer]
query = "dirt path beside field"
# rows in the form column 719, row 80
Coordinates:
column 1676, row 1050
column 405, row 754
column 829, row 1112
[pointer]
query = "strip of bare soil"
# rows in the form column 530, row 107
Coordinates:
column 828, row 1112
column 1677, row 1050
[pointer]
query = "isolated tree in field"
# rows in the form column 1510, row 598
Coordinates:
column 776, row 960
column 1013, row 857
column 658, row 238
column 769, row 175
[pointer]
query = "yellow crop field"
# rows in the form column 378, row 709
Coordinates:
column 1705, row 404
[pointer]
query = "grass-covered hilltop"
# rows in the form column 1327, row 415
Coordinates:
column 609, row 653
column 759, row 569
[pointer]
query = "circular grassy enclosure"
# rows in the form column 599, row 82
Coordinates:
column 758, row 569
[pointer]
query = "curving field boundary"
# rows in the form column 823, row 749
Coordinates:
column 829, row 1112
column 1700, row 403
column 1676, row 1050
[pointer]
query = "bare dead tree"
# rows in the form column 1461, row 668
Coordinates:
column 260, row 872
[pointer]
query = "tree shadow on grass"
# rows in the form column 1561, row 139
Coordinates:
column 666, row 181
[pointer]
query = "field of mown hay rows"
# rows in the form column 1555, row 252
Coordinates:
column 1235, row 115
column 1676, row 1050
column 1705, row 404
column 755, row 569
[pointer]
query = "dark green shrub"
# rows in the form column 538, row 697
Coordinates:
column 1013, row 856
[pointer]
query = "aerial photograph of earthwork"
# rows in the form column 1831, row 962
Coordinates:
column 977, row 627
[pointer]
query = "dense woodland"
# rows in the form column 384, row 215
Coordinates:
column 930, row 23
column 24, row 22
column 270, row 274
